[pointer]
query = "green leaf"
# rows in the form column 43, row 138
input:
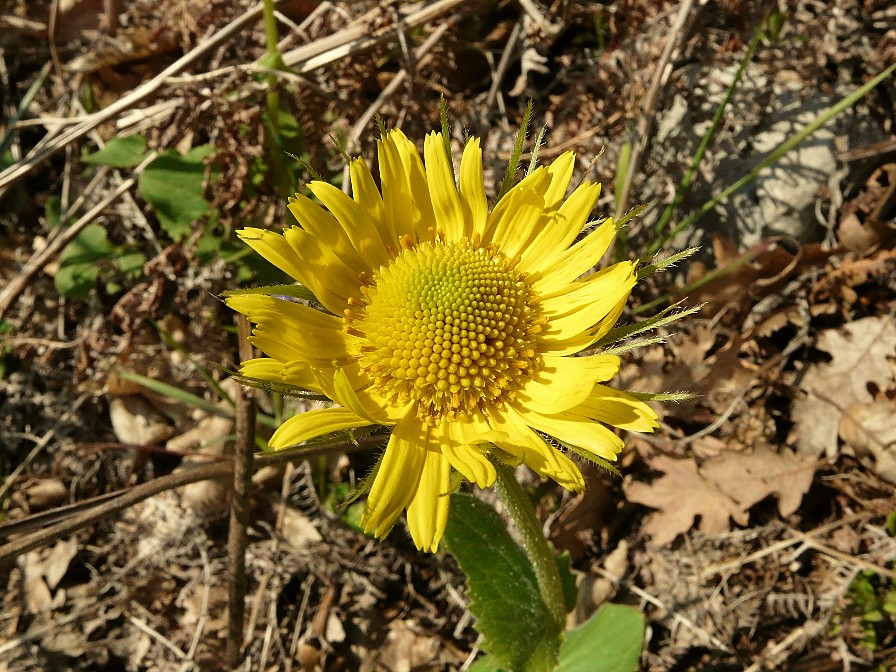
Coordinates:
column 173, row 185
column 610, row 641
column 119, row 153
column 485, row 664
column 130, row 262
column 79, row 270
column 516, row 627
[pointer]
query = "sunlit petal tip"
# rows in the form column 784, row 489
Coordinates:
column 428, row 510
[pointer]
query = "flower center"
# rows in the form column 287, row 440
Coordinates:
column 450, row 325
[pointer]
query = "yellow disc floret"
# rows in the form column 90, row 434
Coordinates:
column 450, row 325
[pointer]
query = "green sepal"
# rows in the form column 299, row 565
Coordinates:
column 278, row 387
column 295, row 291
column 634, row 212
column 621, row 348
column 594, row 459
column 663, row 396
column 661, row 264
column 514, row 163
column 661, row 319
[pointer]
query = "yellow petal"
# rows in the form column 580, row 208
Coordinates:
column 615, row 407
column 501, row 218
column 397, row 200
column 311, row 424
column 472, row 189
column 584, row 340
column 262, row 367
column 564, row 382
column 578, row 431
column 581, row 257
column 292, row 373
column 428, row 510
column 424, row 218
column 612, row 317
column 321, row 224
column 471, row 463
column 561, row 172
column 325, row 274
column 363, row 403
column 274, row 247
column 442, row 191
column 299, row 372
column 366, row 194
column 458, row 441
column 287, row 330
column 561, row 230
column 361, row 231
column 397, row 477
column 514, row 221
column 531, row 448
column 587, row 303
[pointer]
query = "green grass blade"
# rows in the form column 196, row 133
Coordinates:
column 176, row 393
column 782, row 149
column 658, row 240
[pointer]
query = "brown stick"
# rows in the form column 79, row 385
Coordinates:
column 237, row 538
column 178, row 479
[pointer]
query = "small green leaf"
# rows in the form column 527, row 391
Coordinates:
column 79, row 267
column 53, row 211
column 515, row 624
column 173, row 185
column 610, row 641
column 119, row 153
column 130, row 262
column 775, row 24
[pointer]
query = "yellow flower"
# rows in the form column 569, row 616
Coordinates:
column 457, row 327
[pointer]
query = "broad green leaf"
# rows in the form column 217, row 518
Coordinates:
column 610, row 641
column 173, row 186
column 119, row 153
column 79, row 267
column 516, row 627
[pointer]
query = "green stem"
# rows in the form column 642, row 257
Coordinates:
column 270, row 30
column 539, row 551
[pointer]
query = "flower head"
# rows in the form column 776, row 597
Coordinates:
column 459, row 328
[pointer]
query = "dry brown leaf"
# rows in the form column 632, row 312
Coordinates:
column 137, row 422
column 859, row 352
column 870, row 429
column 748, row 478
column 681, row 495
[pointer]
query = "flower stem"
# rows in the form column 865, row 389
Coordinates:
column 539, row 551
